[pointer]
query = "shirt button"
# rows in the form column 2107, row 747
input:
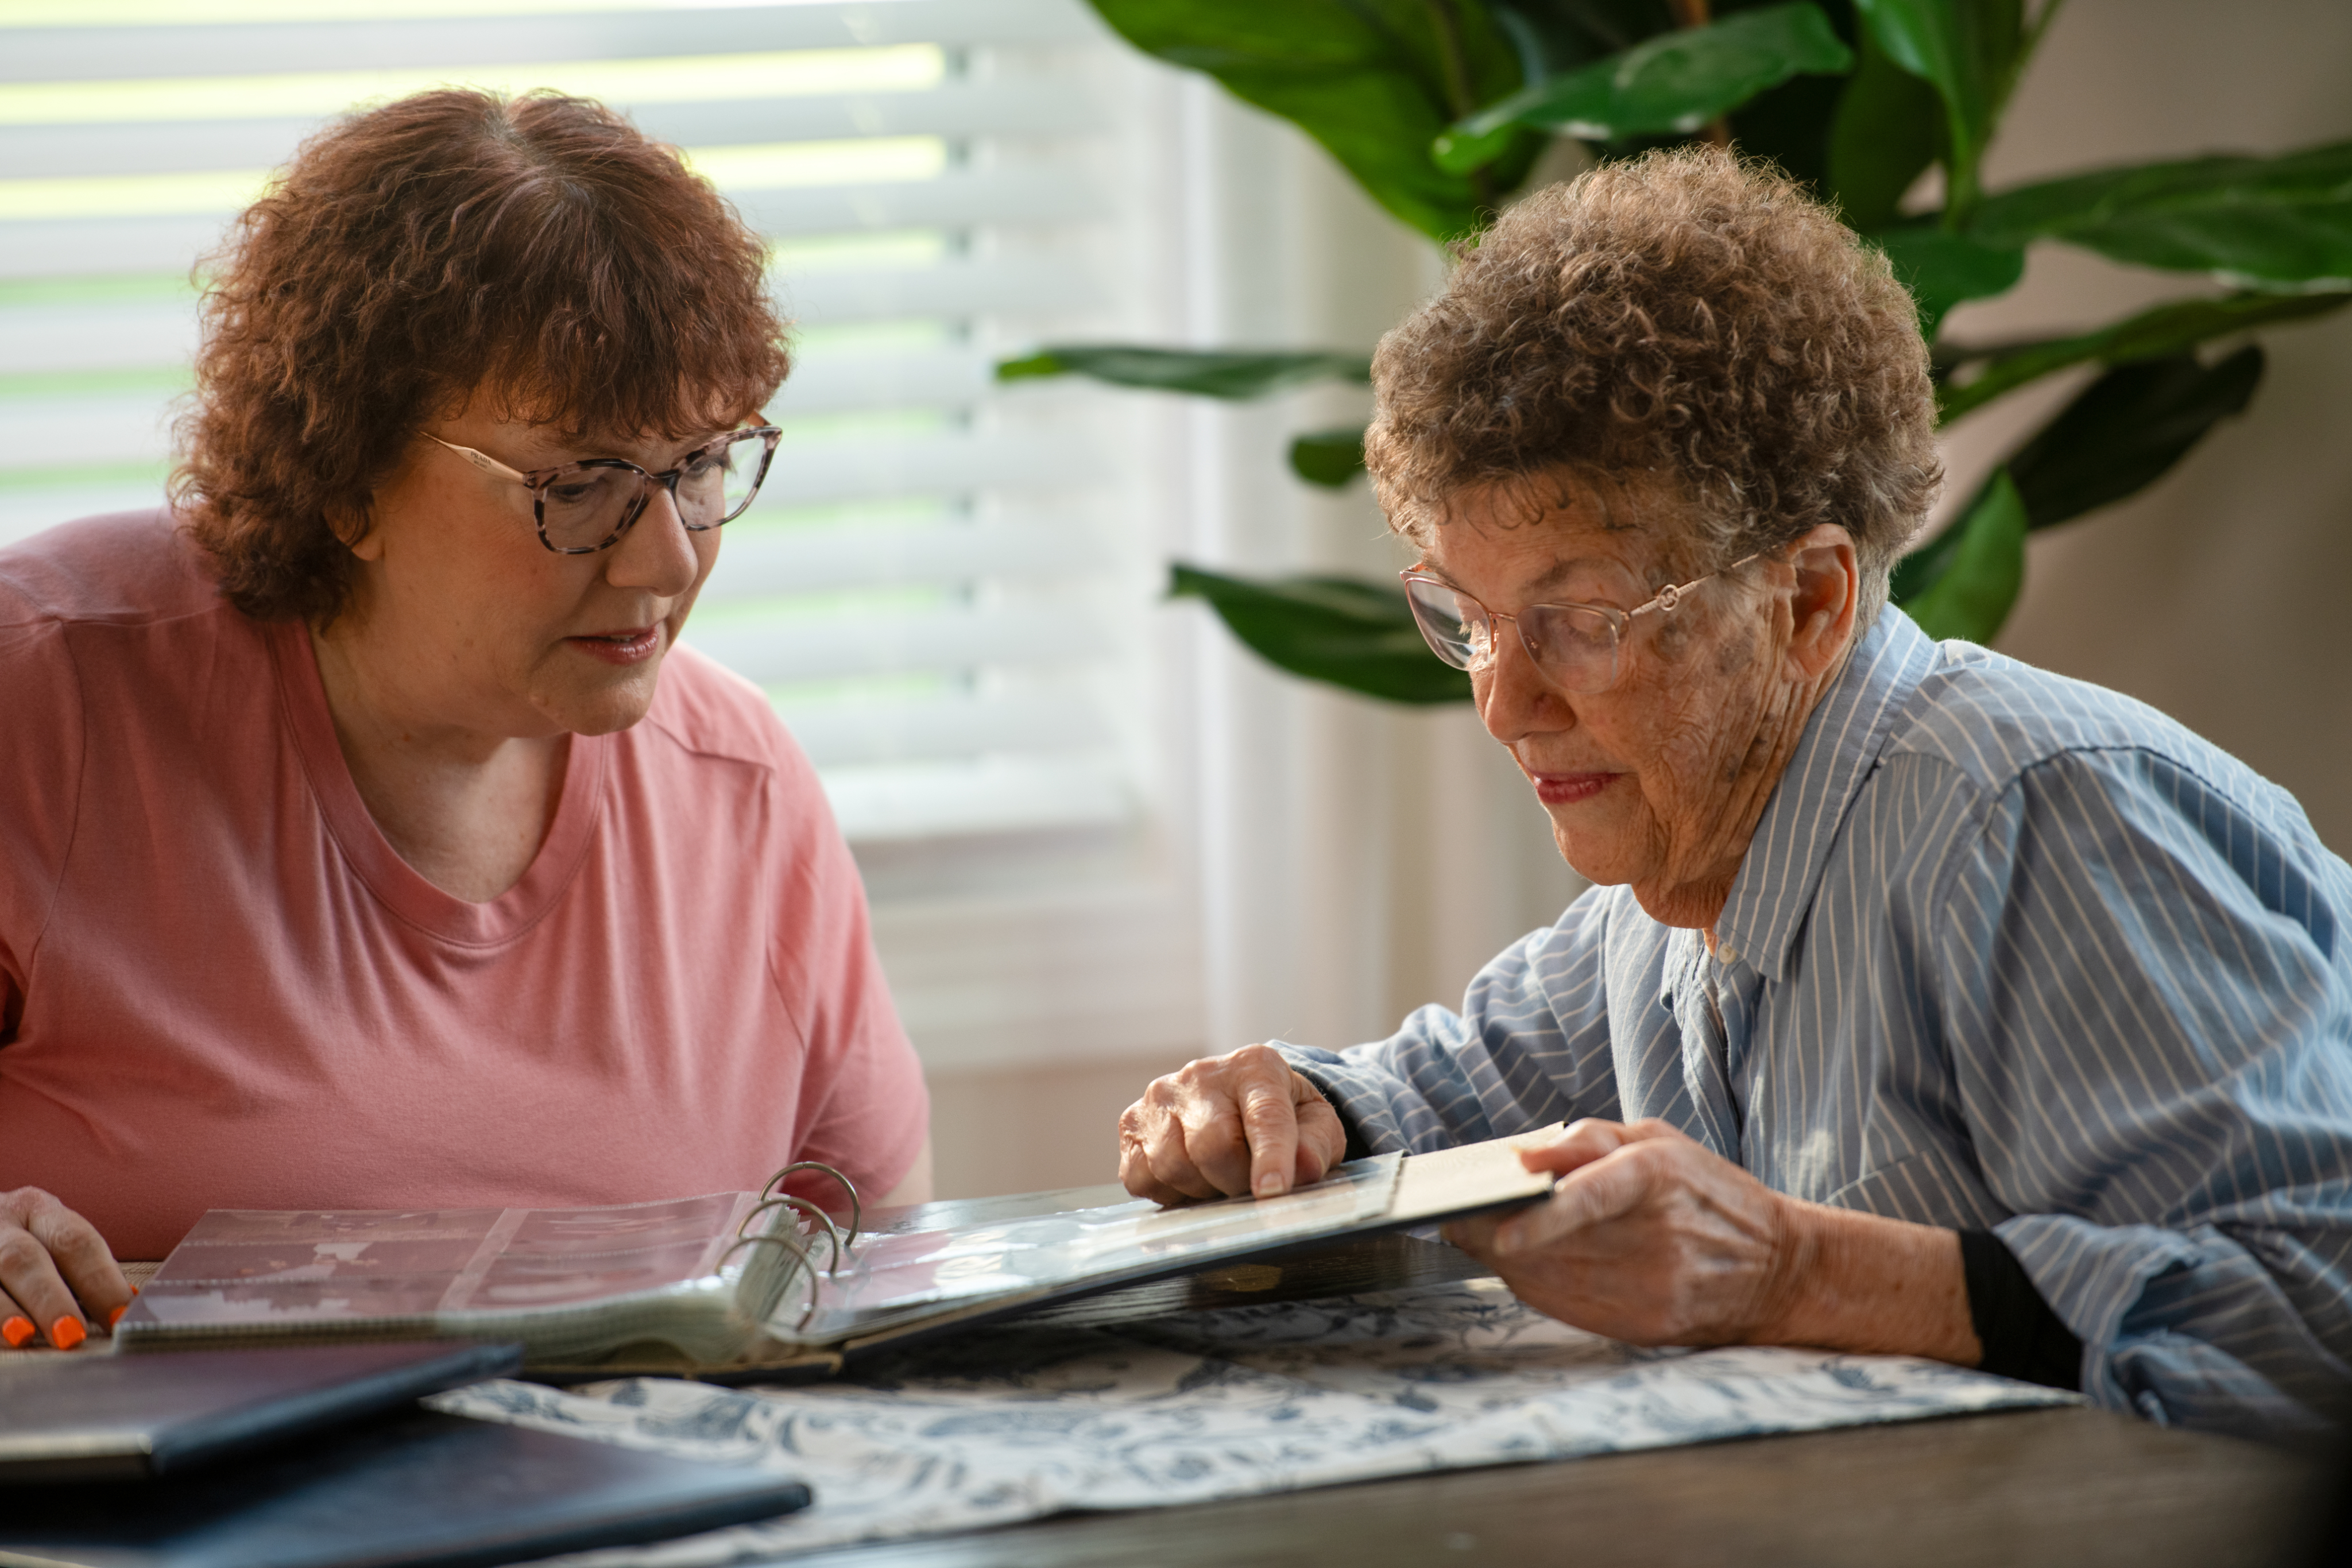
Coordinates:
column 1726, row 952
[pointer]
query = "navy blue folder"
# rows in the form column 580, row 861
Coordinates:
column 100, row 1417
column 419, row 1490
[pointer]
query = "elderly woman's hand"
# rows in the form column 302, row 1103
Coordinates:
column 1653, row 1239
column 1241, row 1122
column 50, row 1256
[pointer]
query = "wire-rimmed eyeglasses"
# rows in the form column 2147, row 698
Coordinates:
column 1576, row 646
column 585, row 507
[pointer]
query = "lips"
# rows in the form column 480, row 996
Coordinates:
column 628, row 645
column 1567, row 788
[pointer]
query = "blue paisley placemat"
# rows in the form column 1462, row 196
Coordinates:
column 1013, row 1424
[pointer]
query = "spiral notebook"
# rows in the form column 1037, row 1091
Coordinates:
column 743, row 1282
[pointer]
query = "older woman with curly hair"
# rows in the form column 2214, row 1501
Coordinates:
column 366, row 840
column 1926, row 1002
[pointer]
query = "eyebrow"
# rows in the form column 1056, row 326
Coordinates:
column 1557, row 572
column 1560, row 570
column 681, row 451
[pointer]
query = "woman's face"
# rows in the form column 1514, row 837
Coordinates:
column 474, row 625
column 1658, row 781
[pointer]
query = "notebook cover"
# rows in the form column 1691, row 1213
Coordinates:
column 94, row 1417
column 421, row 1490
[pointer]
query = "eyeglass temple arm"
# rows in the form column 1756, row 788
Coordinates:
column 482, row 460
column 1671, row 594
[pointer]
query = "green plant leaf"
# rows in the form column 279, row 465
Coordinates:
column 2150, row 335
column 1888, row 129
column 1465, row 151
column 1236, row 375
column 1965, row 581
column 1942, row 269
column 2126, row 430
column 1560, row 34
column 2257, row 223
column 1374, row 82
column 1329, row 457
column 1970, row 51
column 2123, row 432
column 1338, row 630
column 1674, row 82
column 1790, row 124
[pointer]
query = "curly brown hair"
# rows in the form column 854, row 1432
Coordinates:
column 1683, row 312
column 537, row 248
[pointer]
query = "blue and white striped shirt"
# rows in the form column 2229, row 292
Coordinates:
column 2007, row 952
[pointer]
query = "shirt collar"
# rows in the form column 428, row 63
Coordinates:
column 1849, row 727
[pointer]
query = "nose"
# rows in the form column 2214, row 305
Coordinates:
column 1514, row 699
column 656, row 555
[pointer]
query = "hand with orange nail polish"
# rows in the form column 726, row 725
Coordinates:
column 55, row 1269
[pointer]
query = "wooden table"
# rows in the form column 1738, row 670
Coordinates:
column 2063, row 1488
column 2067, row 1487
column 2057, row 1486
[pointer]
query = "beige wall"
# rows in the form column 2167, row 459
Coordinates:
column 1029, row 1130
column 2220, row 596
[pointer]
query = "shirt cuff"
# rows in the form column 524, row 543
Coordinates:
column 2091, row 1275
column 2022, row 1337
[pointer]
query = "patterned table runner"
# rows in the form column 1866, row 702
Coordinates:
column 1012, row 1424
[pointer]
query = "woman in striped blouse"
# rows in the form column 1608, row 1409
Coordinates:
column 1926, row 1002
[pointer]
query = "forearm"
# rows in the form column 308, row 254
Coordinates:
column 1871, row 1285
column 1510, row 1061
column 1437, row 1083
column 1389, row 1100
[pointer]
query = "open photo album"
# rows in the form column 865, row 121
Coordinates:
column 742, row 1281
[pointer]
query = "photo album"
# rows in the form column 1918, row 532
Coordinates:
column 744, row 1283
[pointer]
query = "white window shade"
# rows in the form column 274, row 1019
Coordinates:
column 935, row 587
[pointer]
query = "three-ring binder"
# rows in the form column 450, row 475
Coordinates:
column 771, row 1296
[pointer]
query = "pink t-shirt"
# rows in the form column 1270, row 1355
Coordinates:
column 220, row 986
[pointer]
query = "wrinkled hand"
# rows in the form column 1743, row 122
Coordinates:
column 1648, row 1238
column 50, row 1256
column 1242, row 1123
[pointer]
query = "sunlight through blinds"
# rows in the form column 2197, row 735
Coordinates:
column 932, row 589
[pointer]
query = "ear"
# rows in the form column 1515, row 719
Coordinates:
column 1821, row 607
column 351, row 525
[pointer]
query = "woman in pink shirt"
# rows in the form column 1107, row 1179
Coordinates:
column 366, row 840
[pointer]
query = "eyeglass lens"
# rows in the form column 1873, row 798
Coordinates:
column 586, row 505
column 1575, row 647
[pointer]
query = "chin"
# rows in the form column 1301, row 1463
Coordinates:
column 1592, row 862
column 603, row 712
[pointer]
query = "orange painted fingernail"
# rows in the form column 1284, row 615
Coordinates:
column 67, row 1332
column 17, row 1331
column 115, row 1316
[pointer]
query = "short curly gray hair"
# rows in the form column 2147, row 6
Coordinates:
column 1683, row 312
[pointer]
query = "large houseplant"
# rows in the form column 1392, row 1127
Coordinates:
column 1439, row 110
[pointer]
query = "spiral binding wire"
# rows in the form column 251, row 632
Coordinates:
column 841, row 1246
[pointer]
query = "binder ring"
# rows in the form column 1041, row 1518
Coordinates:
column 856, row 1210
column 805, row 1265
column 803, row 1205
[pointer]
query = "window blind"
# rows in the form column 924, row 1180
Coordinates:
column 934, row 587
